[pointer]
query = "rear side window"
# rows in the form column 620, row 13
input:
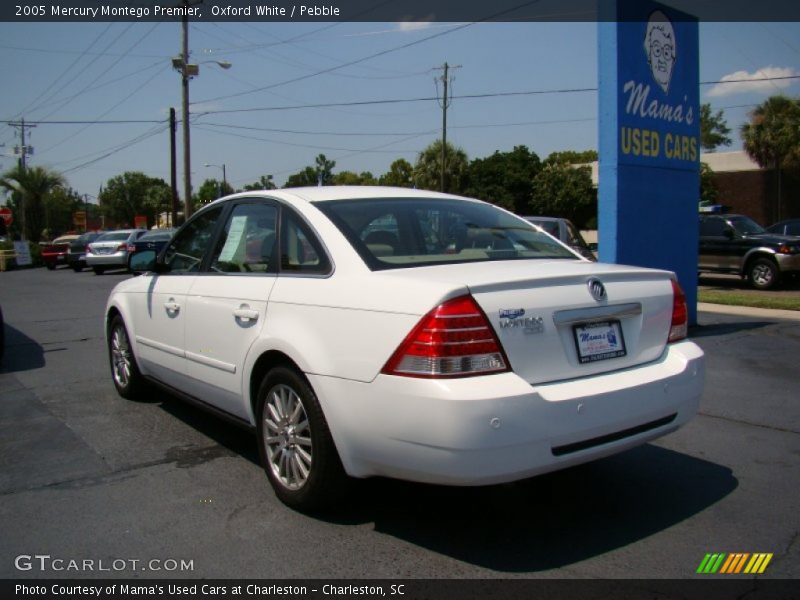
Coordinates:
column 301, row 251
column 401, row 233
column 713, row 226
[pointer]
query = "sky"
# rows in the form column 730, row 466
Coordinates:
column 271, row 113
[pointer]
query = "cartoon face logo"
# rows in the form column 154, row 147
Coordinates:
column 660, row 48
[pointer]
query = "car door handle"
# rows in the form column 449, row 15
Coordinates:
column 245, row 313
column 172, row 306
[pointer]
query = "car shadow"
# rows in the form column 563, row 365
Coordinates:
column 22, row 353
column 725, row 328
column 549, row 521
column 538, row 524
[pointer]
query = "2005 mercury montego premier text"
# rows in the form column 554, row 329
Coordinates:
column 380, row 331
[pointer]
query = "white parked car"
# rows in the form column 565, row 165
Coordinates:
column 403, row 333
column 110, row 250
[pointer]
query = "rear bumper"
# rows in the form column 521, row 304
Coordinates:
column 499, row 428
column 119, row 259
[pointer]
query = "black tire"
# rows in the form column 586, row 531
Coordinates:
column 98, row 270
column 763, row 274
column 77, row 268
column 301, row 463
column 125, row 372
column 50, row 266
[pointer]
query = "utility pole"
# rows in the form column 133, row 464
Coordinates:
column 187, row 163
column 173, row 176
column 445, row 79
column 23, row 150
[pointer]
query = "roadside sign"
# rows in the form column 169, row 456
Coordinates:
column 23, row 252
column 79, row 219
column 5, row 214
column 140, row 222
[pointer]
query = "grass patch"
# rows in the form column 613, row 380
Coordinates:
column 734, row 298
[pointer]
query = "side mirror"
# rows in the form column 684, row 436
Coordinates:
column 143, row 261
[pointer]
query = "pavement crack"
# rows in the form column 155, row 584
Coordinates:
column 743, row 422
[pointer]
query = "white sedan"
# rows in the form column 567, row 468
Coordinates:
column 403, row 333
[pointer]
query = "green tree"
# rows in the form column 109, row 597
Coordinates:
column 708, row 188
column 400, row 174
column 714, row 129
column 428, row 169
column 306, row 177
column 504, row 178
column 564, row 190
column 772, row 138
column 134, row 194
column 30, row 188
column 350, row 178
column 321, row 173
column 210, row 190
column 59, row 208
column 264, row 182
column 571, row 157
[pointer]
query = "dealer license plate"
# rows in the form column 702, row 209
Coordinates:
column 599, row 341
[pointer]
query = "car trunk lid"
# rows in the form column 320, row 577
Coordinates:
column 550, row 324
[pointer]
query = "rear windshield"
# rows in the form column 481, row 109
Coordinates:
column 397, row 233
column 155, row 236
column 114, row 236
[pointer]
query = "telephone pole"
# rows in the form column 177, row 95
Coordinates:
column 445, row 103
column 23, row 150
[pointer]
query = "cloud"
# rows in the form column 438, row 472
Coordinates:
column 423, row 23
column 761, row 80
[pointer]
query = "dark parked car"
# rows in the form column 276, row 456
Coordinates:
column 565, row 231
column 76, row 256
column 154, row 239
column 737, row 244
column 788, row 227
column 55, row 253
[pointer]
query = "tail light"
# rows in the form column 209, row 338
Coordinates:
column 122, row 246
column 679, row 328
column 131, row 247
column 455, row 339
column 88, row 249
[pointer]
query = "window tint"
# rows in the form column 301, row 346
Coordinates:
column 186, row 251
column 793, row 229
column 114, row 236
column 301, row 252
column 712, row 226
column 248, row 242
column 396, row 233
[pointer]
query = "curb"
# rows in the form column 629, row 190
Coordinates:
column 749, row 311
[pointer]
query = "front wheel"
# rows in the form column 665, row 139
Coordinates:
column 763, row 274
column 295, row 444
column 124, row 370
column 98, row 270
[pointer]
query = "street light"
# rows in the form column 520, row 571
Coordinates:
column 224, row 178
column 187, row 71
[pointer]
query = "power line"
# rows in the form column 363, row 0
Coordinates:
column 371, row 56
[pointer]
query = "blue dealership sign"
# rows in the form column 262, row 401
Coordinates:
column 649, row 139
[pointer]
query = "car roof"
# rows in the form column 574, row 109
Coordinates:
column 342, row 192
column 548, row 219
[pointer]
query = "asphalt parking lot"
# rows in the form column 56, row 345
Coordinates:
column 85, row 474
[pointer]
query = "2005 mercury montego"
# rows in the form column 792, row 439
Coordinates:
column 379, row 331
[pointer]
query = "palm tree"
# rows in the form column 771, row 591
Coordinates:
column 32, row 185
column 772, row 137
column 428, row 170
